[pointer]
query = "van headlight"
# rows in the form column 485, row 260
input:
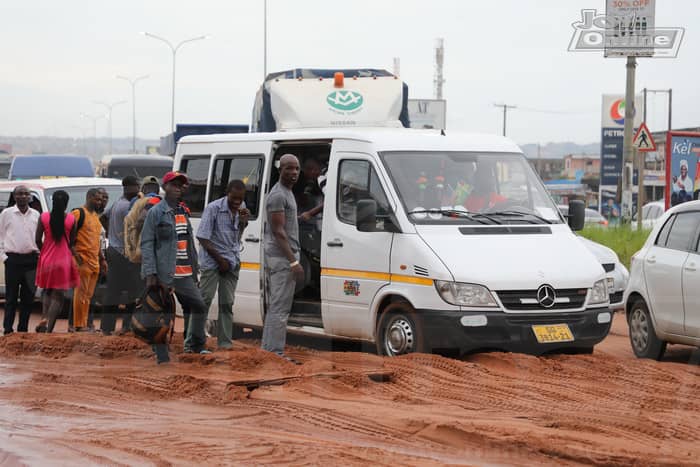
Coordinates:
column 461, row 294
column 599, row 293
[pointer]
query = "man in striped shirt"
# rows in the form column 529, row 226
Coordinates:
column 169, row 259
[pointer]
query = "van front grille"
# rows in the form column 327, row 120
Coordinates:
column 526, row 300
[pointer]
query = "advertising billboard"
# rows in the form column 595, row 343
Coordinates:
column 612, row 136
column 682, row 167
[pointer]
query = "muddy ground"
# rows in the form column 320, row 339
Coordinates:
column 80, row 398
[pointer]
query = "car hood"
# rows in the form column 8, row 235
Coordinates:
column 602, row 253
column 512, row 260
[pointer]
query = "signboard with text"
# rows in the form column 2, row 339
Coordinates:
column 629, row 28
column 682, row 167
column 427, row 113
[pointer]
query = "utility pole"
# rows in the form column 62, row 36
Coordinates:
column 439, row 79
column 627, row 148
column 505, row 112
column 94, row 119
column 264, row 40
column 397, row 66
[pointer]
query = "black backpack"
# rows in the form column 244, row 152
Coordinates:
column 154, row 316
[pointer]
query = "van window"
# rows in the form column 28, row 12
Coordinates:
column 357, row 180
column 683, row 230
column 245, row 168
column 197, row 170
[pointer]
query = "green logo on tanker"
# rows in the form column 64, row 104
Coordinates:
column 345, row 101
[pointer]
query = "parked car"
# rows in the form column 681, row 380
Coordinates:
column 651, row 213
column 141, row 165
column 42, row 190
column 593, row 217
column 663, row 298
column 616, row 274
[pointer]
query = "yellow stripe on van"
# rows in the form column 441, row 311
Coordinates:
column 377, row 276
column 251, row 266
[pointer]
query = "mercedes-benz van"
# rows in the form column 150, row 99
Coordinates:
column 426, row 241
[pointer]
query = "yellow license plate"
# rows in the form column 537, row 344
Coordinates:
column 552, row 333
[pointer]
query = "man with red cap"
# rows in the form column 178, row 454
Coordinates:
column 169, row 259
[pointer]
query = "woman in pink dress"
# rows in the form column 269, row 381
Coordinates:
column 56, row 271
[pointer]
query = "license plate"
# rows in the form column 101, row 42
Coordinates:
column 611, row 284
column 552, row 333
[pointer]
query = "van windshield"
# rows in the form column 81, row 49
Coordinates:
column 121, row 171
column 468, row 187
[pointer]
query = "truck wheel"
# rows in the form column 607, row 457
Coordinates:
column 643, row 338
column 398, row 332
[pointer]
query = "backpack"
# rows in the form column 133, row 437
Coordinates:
column 133, row 225
column 154, row 316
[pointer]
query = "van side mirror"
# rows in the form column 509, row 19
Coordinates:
column 577, row 214
column 366, row 215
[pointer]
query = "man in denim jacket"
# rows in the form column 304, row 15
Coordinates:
column 169, row 259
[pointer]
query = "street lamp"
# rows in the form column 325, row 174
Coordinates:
column 132, row 82
column 94, row 119
column 109, row 113
column 173, row 49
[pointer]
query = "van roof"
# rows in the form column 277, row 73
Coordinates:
column 48, row 183
column 384, row 139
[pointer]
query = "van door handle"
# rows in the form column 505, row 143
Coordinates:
column 335, row 242
column 690, row 267
column 651, row 260
column 252, row 239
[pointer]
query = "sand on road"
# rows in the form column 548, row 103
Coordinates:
column 69, row 398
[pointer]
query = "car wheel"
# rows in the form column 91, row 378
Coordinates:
column 643, row 338
column 398, row 332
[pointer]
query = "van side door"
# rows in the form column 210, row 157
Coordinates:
column 245, row 161
column 354, row 264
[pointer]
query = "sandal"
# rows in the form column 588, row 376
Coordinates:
column 42, row 326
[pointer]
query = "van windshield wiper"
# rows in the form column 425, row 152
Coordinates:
column 455, row 213
column 522, row 214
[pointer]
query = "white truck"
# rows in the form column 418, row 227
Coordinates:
column 427, row 242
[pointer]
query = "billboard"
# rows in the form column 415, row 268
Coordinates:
column 629, row 28
column 682, row 167
column 612, row 136
column 427, row 113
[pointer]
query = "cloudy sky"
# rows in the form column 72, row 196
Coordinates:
column 58, row 58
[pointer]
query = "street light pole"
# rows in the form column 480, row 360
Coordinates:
column 133, row 82
column 173, row 49
column 265, row 40
column 94, row 119
column 109, row 109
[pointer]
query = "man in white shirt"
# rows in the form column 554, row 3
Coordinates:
column 19, row 253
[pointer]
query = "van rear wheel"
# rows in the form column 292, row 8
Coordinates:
column 399, row 332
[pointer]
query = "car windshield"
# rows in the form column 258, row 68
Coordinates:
column 468, row 187
column 77, row 195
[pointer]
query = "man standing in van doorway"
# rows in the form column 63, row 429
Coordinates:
column 19, row 253
column 88, row 254
column 282, row 267
column 219, row 233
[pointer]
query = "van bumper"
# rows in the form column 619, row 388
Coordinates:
column 509, row 331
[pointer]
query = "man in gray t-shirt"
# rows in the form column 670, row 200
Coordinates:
column 282, row 268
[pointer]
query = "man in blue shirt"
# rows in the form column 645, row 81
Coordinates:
column 219, row 233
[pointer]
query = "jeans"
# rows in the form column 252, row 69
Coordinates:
column 281, row 284
column 20, row 273
column 189, row 297
column 210, row 280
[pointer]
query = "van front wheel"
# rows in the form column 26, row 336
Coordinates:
column 398, row 332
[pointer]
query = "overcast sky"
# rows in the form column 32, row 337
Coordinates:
column 58, row 57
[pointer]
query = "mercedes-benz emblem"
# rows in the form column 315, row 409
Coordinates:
column 546, row 296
